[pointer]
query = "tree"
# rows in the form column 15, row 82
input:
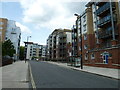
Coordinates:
column 8, row 48
column 22, row 52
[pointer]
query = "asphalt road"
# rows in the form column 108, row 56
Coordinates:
column 48, row 75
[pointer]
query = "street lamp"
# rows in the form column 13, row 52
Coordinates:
column 79, row 17
column 27, row 47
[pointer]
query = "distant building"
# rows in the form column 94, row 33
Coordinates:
column 57, row 43
column 43, row 51
column 34, row 50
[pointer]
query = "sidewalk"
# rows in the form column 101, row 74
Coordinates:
column 108, row 72
column 15, row 75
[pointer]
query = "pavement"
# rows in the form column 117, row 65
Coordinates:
column 107, row 72
column 15, row 75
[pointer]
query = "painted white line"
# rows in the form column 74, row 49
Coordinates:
column 32, row 80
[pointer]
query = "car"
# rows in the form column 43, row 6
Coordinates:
column 37, row 59
column 6, row 60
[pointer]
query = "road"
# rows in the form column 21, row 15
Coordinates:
column 48, row 75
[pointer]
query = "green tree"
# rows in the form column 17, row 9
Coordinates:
column 8, row 48
column 22, row 52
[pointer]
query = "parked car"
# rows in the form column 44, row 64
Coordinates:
column 6, row 60
column 37, row 59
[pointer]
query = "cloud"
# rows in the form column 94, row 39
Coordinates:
column 51, row 14
column 23, row 28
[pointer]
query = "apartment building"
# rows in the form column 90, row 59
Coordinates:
column 58, row 45
column 14, row 34
column 3, row 28
column 34, row 50
column 43, row 52
column 100, row 25
column 82, row 33
column 49, row 48
column 9, row 30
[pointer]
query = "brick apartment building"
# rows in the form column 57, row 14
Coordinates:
column 100, row 26
column 58, row 45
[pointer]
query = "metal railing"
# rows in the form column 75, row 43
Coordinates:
column 104, row 8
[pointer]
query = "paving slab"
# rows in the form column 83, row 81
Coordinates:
column 15, row 75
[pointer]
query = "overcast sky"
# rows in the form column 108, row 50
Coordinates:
column 39, row 18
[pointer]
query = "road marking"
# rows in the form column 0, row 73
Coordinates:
column 31, row 77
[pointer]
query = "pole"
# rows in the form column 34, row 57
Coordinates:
column 27, row 47
column 112, row 22
column 96, row 23
column 79, row 18
column 81, row 44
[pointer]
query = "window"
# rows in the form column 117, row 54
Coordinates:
column 1, row 27
column 92, row 56
column 1, row 23
column 85, row 46
column 96, row 34
column 80, row 48
column 84, row 18
column 86, row 57
column 95, row 25
column 85, row 36
column 6, row 38
column 80, row 39
column 84, row 27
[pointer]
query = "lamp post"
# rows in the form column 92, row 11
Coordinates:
column 27, row 47
column 79, row 17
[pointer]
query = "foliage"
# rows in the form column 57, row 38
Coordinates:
column 8, row 48
column 22, row 52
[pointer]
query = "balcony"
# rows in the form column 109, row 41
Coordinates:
column 106, row 33
column 75, row 44
column 106, row 20
column 104, row 9
column 100, row 2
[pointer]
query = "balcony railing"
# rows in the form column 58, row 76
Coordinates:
column 104, row 8
column 105, row 20
column 100, row 2
column 106, row 33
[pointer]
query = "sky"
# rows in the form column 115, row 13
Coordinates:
column 38, row 18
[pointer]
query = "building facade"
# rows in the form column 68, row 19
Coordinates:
column 3, row 28
column 9, row 30
column 100, row 26
column 14, row 34
column 33, row 51
column 58, row 45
